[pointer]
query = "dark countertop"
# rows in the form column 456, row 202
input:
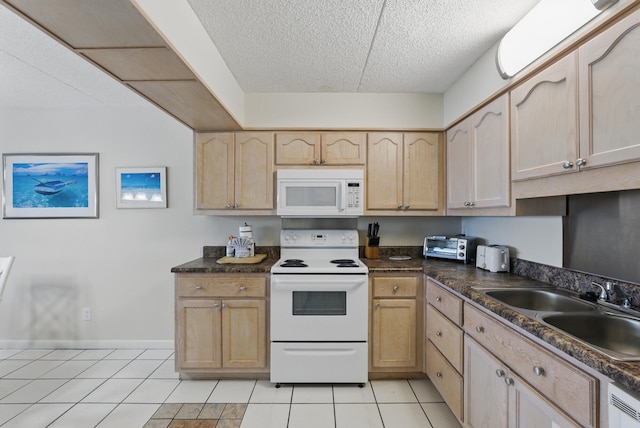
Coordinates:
column 461, row 279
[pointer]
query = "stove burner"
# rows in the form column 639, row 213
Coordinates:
column 344, row 263
column 293, row 263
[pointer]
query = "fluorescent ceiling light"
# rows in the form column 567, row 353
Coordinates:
column 546, row 25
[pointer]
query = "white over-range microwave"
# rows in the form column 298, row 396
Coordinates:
column 320, row 192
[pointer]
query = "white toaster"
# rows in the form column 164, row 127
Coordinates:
column 494, row 258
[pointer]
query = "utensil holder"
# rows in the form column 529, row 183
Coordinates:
column 372, row 251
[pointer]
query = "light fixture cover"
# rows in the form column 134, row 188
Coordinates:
column 546, row 25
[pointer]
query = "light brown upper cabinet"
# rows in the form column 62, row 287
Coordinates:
column 609, row 94
column 234, row 172
column 405, row 173
column 544, row 122
column 478, row 162
column 320, row 148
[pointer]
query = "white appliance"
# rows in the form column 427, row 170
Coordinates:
column 624, row 409
column 320, row 192
column 318, row 314
column 494, row 258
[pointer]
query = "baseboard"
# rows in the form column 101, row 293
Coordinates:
column 86, row 344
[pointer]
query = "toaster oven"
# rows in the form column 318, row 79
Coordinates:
column 458, row 247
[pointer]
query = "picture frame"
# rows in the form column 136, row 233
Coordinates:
column 50, row 185
column 141, row 187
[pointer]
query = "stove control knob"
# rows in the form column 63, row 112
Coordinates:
column 343, row 238
column 294, row 236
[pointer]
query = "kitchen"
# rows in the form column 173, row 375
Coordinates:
column 137, row 247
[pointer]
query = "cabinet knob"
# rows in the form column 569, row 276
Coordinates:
column 216, row 305
column 567, row 165
column 538, row 371
column 400, row 206
column 406, row 207
column 508, row 381
column 438, row 299
column 198, row 287
column 499, row 372
column 581, row 161
column 438, row 374
column 472, row 204
column 224, row 305
column 377, row 305
column 316, row 161
column 395, row 288
column 324, row 161
column 229, row 206
column 242, row 288
column 480, row 329
column 236, row 205
column 438, row 333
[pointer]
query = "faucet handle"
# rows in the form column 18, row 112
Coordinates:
column 626, row 303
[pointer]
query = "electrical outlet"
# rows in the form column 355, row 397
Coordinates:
column 86, row 314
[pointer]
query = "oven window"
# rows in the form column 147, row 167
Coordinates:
column 308, row 303
column 311, row 196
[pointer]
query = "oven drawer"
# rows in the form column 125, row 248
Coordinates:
column 395, row 286
column 217, row 286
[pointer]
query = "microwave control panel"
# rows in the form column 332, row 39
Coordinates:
column 354, row 194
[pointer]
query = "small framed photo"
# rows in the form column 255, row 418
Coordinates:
column 50, row 185
column 141, row 187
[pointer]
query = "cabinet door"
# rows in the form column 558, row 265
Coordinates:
column 491, row 181
column 244, row 337
column 529, row 409
column 422, row 171
column 610, row 95
column 384, row 171
column 254, row 170
column 297, row 148
column 214, row 170
column 544, row 120
column 459, row 165
column 393, row 333
column 343, row 148
column 485, row 391
column 198, row 329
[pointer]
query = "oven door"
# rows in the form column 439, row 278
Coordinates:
column 308, row 308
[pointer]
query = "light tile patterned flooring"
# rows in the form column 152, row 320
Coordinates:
column 128, row 388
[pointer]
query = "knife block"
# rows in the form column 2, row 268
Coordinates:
column 371, row 252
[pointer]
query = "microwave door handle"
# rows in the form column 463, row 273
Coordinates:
column 341, row 197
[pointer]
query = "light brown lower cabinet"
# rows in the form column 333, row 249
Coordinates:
column 221, row 324
column 498, row 398
column 394, row 328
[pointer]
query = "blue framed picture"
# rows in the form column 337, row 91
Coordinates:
column 141, row 187
column 51, row 185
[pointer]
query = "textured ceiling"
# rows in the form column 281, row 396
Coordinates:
column 419, row 46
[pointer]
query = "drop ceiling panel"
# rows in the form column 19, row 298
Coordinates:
column 140, row 63
column 190, row 102
column 91, row 23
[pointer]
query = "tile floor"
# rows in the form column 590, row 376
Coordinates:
column 128, row 388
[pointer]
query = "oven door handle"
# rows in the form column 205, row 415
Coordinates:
column 287, row 283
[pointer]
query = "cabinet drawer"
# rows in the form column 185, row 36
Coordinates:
column 394, row 286
column 569, row 387
column 445, row 378
column 446, row 336
column 227, row 286
column 445, row 301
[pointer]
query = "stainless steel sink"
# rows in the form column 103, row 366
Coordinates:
column 618, row 336
column 540, row 300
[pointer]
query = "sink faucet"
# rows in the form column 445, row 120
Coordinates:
column 611, row 292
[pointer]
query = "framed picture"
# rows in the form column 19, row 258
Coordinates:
column 141, row 187
column 51, row 185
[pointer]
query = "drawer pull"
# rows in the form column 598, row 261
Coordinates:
column 538, row 371
column 438, row 333
column 395, row 288
column 224, row 305
column 508, row 381
column 377, row 305
column 438, row 374
column 499, row 372
column 438, row 299
column 242, row 288
column 198, row 287
column 480, row 329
